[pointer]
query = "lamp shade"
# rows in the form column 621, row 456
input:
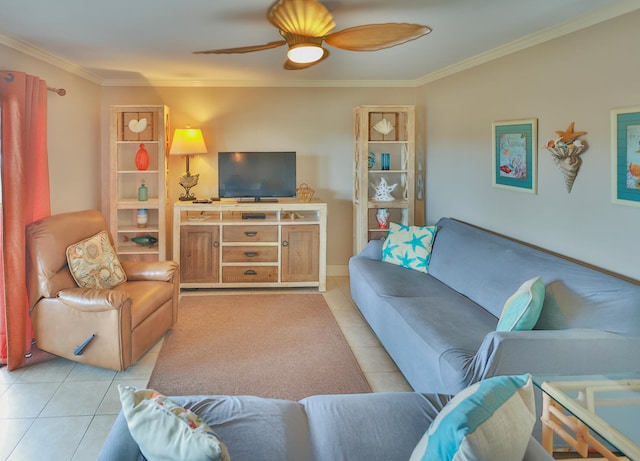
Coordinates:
column 187, row 141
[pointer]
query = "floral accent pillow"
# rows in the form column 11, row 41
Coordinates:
column 94, row 264
column 165, row 430
column 409, row 246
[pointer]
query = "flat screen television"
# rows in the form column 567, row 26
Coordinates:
column 256, row 174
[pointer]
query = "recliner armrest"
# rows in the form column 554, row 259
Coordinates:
column 93, row 299
column 162, row 271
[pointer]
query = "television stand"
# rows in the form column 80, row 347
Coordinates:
column 249, row 245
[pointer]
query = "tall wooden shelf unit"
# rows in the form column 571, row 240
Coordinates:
column 399, row 143
column 125, row 179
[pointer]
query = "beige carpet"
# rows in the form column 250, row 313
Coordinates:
column 285, row 346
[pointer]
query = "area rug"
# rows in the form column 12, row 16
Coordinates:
column 285, row 346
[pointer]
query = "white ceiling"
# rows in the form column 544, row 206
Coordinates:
column 139, row 42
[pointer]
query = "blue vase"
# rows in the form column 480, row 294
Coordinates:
column 385, row 161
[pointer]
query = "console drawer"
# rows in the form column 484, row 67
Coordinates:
column 246, row 253
column 249, row 274
column 249, row 233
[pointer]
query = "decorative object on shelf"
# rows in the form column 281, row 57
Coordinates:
column 142, row 217
column 385, row 161
column 382, row 216
column 371, row 160
column 188, row 142
column 565, row 151
column 384, row 127
column 383, row 191
column 145, row 240
column 142, row 158
column 137, row 126
column 515, row 155
column 304, row 192
column 143, row 193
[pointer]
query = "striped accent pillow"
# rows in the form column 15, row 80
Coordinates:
column 492, row 419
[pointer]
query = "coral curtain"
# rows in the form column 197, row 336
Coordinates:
column 25, row 198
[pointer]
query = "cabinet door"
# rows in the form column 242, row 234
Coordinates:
column 300, row 253
column 199, row 253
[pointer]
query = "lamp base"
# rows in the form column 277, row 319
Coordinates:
column 188, row 180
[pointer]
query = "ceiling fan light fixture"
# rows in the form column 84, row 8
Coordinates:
column 304, row 53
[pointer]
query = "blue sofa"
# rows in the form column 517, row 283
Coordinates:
column 439, row 327
column 356, row 427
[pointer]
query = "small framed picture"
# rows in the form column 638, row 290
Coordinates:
column 515, row 155
column 625, row 155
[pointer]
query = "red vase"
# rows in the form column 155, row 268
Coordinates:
column 142, row 158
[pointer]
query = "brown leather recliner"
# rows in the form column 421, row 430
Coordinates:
column 126, row 320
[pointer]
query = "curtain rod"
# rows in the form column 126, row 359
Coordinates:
column 9, row 78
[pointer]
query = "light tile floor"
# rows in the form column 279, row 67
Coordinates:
column 55, row 409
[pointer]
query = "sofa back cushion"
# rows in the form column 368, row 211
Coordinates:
column 488, row 269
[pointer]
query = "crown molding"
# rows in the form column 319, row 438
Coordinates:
column 581, row 22
column 48, row 58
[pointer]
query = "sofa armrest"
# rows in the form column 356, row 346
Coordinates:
column 373, row 250
column 162, row 271
column 93, row 299
column 572, row 351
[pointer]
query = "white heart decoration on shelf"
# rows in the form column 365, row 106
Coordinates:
column 138, row 126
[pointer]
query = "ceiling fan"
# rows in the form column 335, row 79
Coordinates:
column 305, row 24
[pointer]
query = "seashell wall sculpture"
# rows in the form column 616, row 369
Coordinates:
column 565, row 151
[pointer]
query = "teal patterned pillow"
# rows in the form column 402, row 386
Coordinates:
column 93, row 263
column 522, row 310
column 409, row 246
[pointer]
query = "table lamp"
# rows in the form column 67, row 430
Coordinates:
column 188, row 142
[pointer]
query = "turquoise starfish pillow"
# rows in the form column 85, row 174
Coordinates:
column 409, row 246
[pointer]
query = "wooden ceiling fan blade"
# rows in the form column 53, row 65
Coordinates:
column 309, row 18
column 373, row 37
column 244, row 49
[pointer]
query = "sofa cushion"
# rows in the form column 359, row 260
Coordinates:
column 522, row 310
column 492, row 419
column 164, row 430
column 373, row 427
column 93, row 263
column 408, row 246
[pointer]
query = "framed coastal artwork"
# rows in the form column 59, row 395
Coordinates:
column 625, row 155
column 515, row 155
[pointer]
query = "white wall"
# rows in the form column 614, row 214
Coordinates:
column 579, row 77
column 73, row 133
